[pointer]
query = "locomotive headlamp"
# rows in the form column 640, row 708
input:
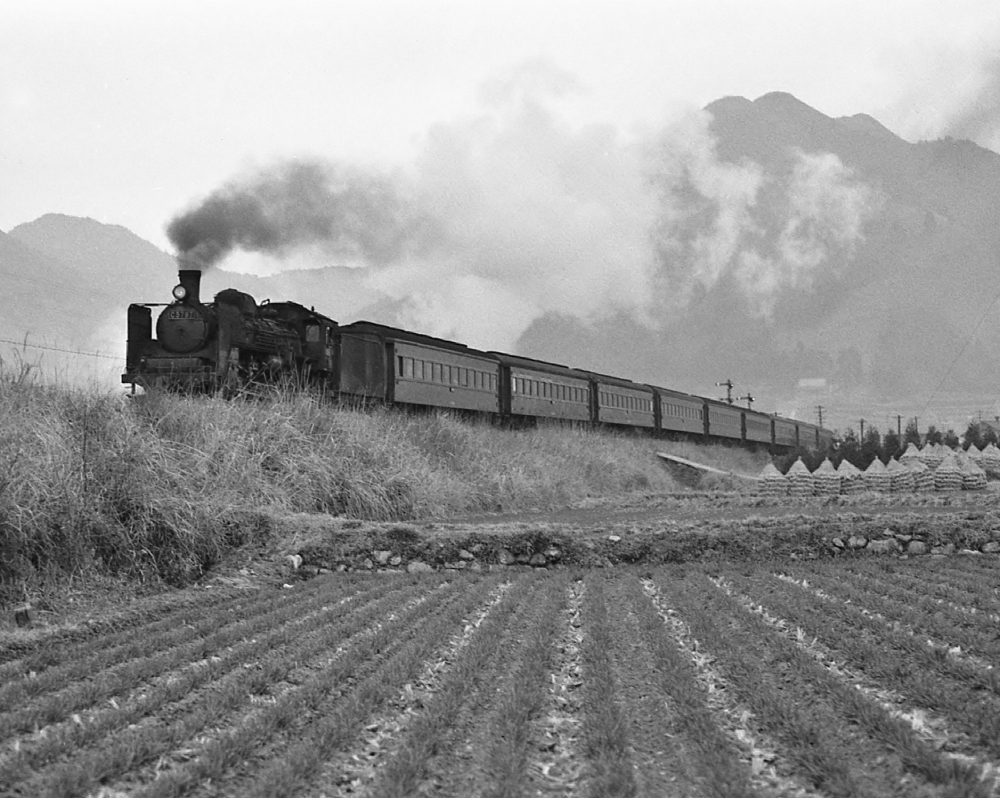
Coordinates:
column 180, row 293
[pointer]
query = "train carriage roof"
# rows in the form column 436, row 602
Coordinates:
column 677, row 394
column 724, row 405
column 396, row 334
column 542, row 366
column 618, row 382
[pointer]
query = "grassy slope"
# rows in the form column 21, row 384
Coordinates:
column 163, row 486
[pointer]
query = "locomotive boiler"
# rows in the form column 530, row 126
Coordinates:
column 229, row 342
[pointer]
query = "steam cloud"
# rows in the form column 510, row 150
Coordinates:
column 769, row 233
column 826, row 207
column 516, row 214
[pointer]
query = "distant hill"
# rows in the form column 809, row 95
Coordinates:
column 109, row 257
column 884, row 325
column 926, row 270
column 41, row 298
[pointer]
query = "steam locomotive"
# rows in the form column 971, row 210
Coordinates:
column 233, row 342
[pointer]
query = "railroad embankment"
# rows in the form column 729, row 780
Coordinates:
column 162, row 488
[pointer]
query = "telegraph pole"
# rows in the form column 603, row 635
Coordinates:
column 899, row 426
column 819, row 412
column 862, row 429
column 729, row 391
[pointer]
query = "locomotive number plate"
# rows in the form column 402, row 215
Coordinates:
column 182, row 313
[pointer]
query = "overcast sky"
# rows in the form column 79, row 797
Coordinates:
column 128, row 112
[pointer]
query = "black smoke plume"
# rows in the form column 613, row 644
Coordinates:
column 346, row 212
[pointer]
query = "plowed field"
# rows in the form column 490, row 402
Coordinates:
column 836, row 678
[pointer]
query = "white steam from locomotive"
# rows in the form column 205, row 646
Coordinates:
column 517, row 213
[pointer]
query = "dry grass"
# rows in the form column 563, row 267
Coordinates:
column 161, row 486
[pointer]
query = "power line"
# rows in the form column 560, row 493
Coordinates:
column 58, row 349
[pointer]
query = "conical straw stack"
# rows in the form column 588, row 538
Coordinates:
column 923, row 477
column 900, row 477
column 948, row 475
column 772, row 482
column 826, row 480
column 911, row 454
column 876, row 477
column 973, row 477
column 851, row 478
column 991, row 460
column 800, row 481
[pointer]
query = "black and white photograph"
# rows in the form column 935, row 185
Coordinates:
column 475, row 399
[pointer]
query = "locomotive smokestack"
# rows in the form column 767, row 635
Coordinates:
column 190, row 279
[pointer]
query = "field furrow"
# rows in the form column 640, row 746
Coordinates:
column 554, row 766
column 610, row 770
column 98, row 682
column 270, row 718
column 683, row 742
column 924, row 675
column 963, row 591
column 826, row 679
column 448, row 747
column 770, row 767
column 52, row 646
column 191, row 712
column 814, row 716
column 928, row 727
column 509, row 736
column 944, row 624
column 339, row 725
column 352, row 770
column 223, row 676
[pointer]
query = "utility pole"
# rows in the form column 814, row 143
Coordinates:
column 862, row 429
column 899, row 426
column 729, row 391
column 819, row 412
column 748, row 399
